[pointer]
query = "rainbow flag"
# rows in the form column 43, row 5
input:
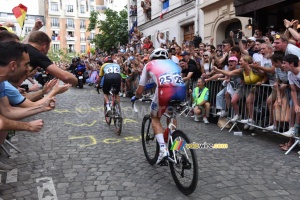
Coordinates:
column 178, row 145
column 20, row 13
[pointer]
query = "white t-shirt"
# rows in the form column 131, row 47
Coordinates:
column 292, row 49
column 175, row 59
column 161, row 41
column 294, row 79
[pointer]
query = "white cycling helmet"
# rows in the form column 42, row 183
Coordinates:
column 159, row 53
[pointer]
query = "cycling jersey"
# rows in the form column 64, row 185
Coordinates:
column 108, row 68
column 111, row 73
column 170, row 85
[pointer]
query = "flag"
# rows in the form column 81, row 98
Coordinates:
column 89, row 50
column 178, row 145
column 20, row 13
column 131, row 30
column 165, row 8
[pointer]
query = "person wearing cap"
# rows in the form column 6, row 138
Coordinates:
column 250, row 77
column 281, row 44
column 186, row 56
column 5, row 28
column 250, row 46
column 226, row 48
column 227, row 92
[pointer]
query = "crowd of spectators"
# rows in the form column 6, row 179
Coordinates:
column 253, row 60
column 20, row 61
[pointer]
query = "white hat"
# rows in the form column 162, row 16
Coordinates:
column 252, row 38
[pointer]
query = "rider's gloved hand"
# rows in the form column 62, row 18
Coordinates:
column 133, row 99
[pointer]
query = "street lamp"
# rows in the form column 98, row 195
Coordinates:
column 249, row 25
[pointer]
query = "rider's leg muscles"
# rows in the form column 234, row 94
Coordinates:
column 158, row 131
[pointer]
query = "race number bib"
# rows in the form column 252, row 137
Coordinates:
column 168, row 78
column 112, row 69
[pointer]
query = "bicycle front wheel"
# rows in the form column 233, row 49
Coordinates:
column 150, row 145
column 118, row 120
column 185, row 170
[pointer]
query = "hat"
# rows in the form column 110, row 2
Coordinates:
column 233, row 58
column 9, row 29
column 252, row 38
column 185, row 53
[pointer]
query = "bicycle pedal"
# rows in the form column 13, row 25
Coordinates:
column 164, row 163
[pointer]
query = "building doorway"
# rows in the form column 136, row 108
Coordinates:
column 188, row 32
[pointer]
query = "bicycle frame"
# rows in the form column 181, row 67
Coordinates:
column 170, row 139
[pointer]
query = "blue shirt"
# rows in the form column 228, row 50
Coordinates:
column 14, row 96
column 2, row 92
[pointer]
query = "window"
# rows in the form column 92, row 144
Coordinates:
column 69, row 8
column 54, row 6
column 27, row 30
column 55, row 46
column 70, row 23
column 92, row 36
column 82, row 37
column 71, row 48
column 82, row 49
column 82, row 24
column 82, row 11
column 92, row 8
column 70, row 33
column 54, row 22
column 55, row 35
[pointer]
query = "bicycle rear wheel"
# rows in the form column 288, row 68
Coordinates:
column 118, row 120
column 150, row 145
column 185, row 171
column 107, row 118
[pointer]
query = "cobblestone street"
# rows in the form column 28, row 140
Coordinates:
column 78, row 156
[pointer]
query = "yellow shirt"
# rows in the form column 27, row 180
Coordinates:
column 252, row 78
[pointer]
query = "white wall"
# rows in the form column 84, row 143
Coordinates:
column 173, row 25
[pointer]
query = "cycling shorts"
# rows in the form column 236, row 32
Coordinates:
column 111, row 79
column 163, row 96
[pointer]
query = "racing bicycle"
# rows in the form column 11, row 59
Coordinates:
column 182, row 161
column 116, row 113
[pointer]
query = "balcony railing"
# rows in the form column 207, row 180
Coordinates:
column 69, row 13
column 55, row 24
column 69, row 25
column 69, row 38
column 82, row 26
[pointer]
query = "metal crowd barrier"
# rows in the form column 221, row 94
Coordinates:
column 283, row 116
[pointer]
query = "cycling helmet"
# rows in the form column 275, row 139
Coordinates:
column 159, row 53
column 107, row 59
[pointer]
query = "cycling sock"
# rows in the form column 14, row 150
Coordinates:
column 160, row 140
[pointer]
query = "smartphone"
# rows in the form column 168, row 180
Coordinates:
column 25, row 86
column 240, row 35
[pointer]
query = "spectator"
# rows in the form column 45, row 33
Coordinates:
column 202, row 106
column 160, row 39
column 38, row 47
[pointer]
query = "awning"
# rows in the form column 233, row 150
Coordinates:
column 244, row 7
